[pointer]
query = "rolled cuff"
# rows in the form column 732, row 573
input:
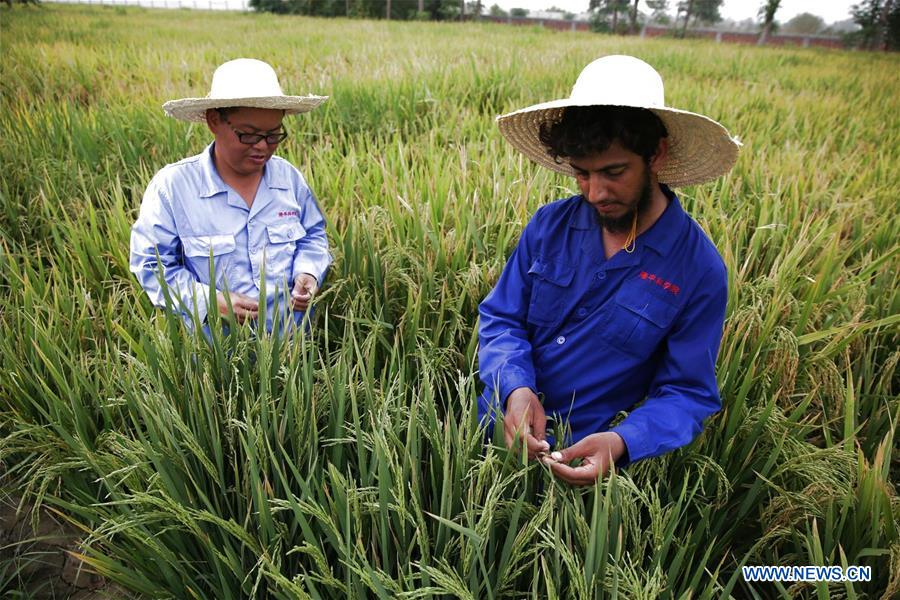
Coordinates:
column 635, row 443
column 196, row 301
column 511, row 381
column 315, row 268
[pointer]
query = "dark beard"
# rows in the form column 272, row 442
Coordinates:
column 624, row 223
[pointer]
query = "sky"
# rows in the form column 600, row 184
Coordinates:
column 738, row 10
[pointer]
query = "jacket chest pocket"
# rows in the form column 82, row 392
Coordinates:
column 551, row 286
column 210, row 254
column 639, row 321
column 281, row 242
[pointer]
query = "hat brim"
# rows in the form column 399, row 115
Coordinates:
column 194, row 109
column 700, row 149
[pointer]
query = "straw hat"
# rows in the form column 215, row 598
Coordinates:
column 700, row 149
column 244, row 82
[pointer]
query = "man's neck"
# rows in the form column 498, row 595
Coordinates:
column 244, row 185
column 615, row 241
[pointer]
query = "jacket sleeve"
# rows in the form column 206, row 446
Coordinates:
column 684, row 390
column 311, row 255
column 154, row 233
column 504, row 354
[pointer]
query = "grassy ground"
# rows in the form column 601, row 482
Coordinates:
column 348, row 463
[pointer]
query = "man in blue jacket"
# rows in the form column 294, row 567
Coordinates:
column 235, row 216
column 614, row 299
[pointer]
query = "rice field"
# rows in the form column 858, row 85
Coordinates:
column 348, row 463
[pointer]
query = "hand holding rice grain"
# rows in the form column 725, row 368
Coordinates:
column 598, row 453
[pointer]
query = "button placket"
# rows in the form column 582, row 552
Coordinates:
column 255, row 252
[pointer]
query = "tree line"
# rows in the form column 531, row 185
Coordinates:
column 878, row 20
column 437, row 10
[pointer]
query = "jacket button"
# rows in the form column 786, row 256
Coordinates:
column 581, row 312
column 561, row 340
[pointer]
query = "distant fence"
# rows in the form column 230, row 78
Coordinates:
column 558, row 24
column 746, row 37
column 733, row 37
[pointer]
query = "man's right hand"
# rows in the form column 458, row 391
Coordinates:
column 525, row 416
column 244, row 307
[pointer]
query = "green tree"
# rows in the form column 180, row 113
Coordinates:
column 518, row 12
column 279, row 7
column 707, row 11
column 879, row 22
column 687, row 8
column 496, row 11
column 605, row 14
column 704, row 11
column 805, row 23
column 892, row 37
column 767, row 12
column 634, row 17
column 323, row 8
column 366, row 9
column 660, row 10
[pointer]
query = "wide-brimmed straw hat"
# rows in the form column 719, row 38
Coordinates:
column 244, row 82
column 700, row 149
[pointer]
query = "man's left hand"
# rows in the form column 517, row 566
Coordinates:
column 305, row 287
column 598, row 452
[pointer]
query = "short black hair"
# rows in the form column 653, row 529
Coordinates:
column 224, row 111
column 586, row 130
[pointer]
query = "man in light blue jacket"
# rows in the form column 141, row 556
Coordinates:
column 234, row 216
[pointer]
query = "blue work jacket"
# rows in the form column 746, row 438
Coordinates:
column 597, row 336
column 189, row 216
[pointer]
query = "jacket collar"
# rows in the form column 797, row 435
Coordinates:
column 212, row 183
column 660, row 237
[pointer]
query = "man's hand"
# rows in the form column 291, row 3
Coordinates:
column 305, row 287
column 244, row 307
column 598, row 451
column 525, row 416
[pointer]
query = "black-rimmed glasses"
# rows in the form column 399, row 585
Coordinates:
column 254, row 138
